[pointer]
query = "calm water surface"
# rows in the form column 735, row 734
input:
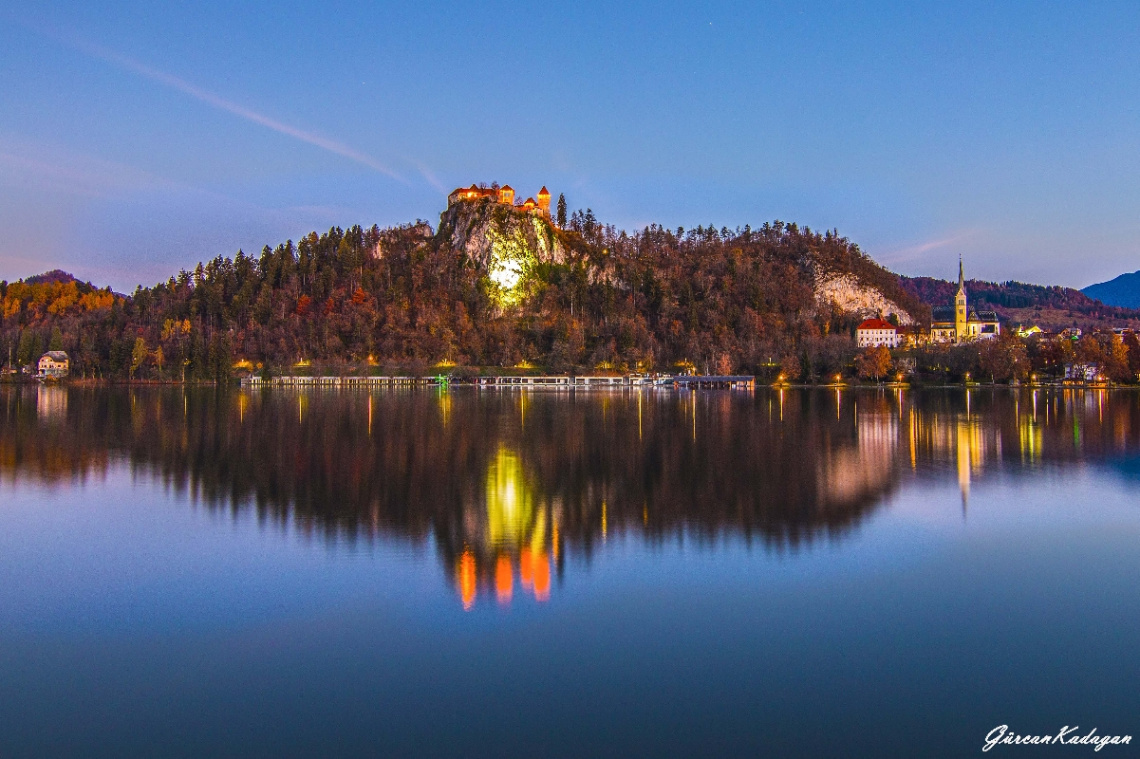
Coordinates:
column 466, row 573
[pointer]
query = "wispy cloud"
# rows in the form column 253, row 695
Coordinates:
column 80, row 244
column 430, row 177
column 217, row 101
column 912, row 252
column 59, row 169
column 31, row 164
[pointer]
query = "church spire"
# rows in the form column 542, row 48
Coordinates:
column 961, row 312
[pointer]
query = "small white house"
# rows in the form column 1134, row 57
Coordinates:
column 54, row 364
column 875, row 332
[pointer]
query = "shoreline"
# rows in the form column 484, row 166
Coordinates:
column 552, row 382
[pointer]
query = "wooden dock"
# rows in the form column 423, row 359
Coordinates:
column 553, row 382
column 334, row 381
column 731, row 381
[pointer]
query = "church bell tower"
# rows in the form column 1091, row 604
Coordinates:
column 960, row 307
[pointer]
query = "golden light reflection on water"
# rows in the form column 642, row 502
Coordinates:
column 511, row 514
column 444, row 405
column 515, row 530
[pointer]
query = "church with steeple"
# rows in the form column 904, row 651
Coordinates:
column 960, row 323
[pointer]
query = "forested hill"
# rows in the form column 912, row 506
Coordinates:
column 493, row 287
column 1050, row 308
column 55, row 276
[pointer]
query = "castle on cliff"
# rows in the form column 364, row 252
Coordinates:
column 504, row 195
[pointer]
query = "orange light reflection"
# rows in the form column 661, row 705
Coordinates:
column 542, row 577
column 504, row 580
column 465, row 578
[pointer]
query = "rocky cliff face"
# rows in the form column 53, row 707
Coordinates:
column 845, row 292
column 488, row 232
column 395, row 236
column 503, row 241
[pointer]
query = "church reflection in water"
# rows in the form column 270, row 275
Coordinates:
column 507, row 484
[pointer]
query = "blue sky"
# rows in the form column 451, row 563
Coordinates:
column 139, row 138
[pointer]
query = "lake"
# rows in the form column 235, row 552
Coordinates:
column 427, row 572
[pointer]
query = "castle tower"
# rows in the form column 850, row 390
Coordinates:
column 506, row 195
column 960, row 311
column 544, row 201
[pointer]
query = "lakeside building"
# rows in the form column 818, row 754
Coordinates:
column 1083, row 372
column 875, row 332
column 504, row 195
column 54, row 365
column 959, row 323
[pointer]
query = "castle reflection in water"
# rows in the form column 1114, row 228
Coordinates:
column 508, row 486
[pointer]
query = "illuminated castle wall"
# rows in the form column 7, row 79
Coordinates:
column 504, row 195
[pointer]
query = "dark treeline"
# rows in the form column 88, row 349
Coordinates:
column 402, row 300
column 1010, row 357
column 1008, row 298
column 469, row 469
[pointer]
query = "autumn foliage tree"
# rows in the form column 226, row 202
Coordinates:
column 1004, row 358
column 873, row 362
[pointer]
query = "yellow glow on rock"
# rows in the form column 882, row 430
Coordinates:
column 510, row 261
column 505, row 274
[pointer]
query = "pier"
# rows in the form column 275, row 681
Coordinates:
column 554, row 382
column 731, row 381
column 336, row 381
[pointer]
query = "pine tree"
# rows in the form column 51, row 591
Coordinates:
column 30, row 347
column 561, row 210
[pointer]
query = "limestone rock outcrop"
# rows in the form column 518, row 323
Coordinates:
column 846, row 293
column 490, row 233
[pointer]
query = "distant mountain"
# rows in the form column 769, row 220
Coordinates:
column 1123, row 291
column 49, row 277
column 61, row 277
column 1049, row 307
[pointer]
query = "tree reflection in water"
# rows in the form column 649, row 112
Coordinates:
column 507, row 484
